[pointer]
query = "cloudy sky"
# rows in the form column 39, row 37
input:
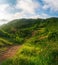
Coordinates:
column 14, row 9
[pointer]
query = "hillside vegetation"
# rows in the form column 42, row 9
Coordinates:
column 39, row 40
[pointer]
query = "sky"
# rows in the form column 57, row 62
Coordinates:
column 16, row 9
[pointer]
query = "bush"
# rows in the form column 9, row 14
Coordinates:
column 53, row 36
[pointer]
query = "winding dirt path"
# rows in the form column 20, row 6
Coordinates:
column 10, row 52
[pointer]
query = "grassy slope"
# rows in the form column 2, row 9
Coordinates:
column 4, row 44
column 40, row 38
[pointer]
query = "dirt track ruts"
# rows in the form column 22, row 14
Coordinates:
column 10, row 52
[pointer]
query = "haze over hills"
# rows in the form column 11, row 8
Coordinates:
column 38, row 37
column 3, row 21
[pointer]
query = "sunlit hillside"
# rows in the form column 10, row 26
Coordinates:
column 38, row 39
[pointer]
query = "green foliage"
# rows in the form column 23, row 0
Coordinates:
column 53, row 36
column 4, row 42
column 40, row 38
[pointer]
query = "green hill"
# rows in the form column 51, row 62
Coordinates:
column 39, row 39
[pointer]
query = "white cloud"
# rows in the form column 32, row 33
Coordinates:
column 52, row 4
column 3, row 12
column 28, row 6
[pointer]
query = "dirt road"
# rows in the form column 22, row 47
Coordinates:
column 10, row 52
